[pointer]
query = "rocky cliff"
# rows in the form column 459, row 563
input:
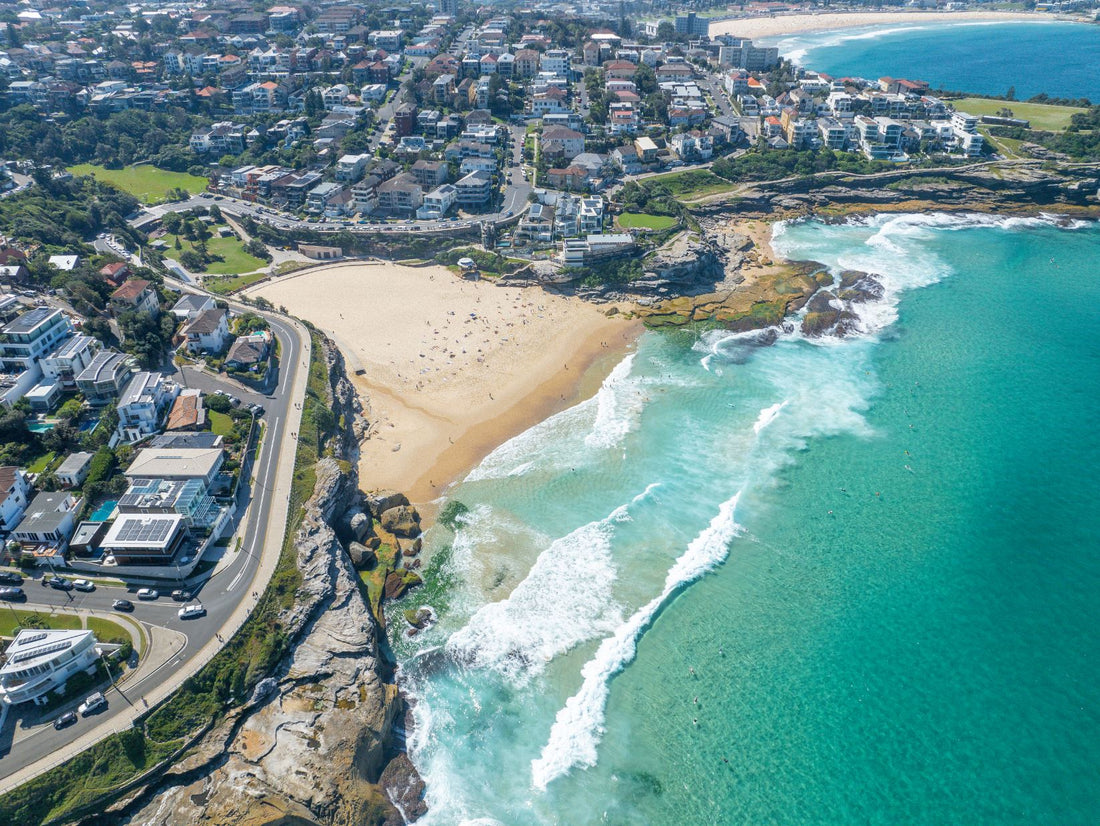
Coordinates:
column 316, row 742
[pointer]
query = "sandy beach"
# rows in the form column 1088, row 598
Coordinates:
column 753, row 27
column 450, row 368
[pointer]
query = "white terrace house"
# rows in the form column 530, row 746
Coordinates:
column 39, row 662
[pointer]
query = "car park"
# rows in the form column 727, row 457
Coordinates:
column 10, row 578
column 12, row 593
column 148, row 593
column 92, row 703
column 122, row 605
column 83, row 585
column 191, row 611
column 66, row 719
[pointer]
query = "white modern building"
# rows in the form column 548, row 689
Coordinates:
column 68, row 360
column 143, row 404
column 144, row 539
column 38, row 662
column 31, row 336
column 437, row 203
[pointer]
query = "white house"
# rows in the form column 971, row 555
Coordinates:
column 38, row 662
column 350, row 167
column 15, row 493
column 143, row 404
column 69, row 359
column 208, row 332
column 74, row 470
column 437, row 203
column 47, row 524
column 189, row 306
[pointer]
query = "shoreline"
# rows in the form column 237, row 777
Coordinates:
column 448, row 369
column 795, row 24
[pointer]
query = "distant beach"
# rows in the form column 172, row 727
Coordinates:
column 450, row 368
column 755, row 27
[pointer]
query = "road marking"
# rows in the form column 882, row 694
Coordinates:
column 257, row 504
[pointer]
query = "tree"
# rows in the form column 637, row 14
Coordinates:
column 1011, row 93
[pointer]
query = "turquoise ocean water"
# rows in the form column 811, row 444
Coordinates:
column 1058, row 58
column 835, row 581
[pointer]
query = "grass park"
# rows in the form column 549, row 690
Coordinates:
column 1043, row 116
column 147, row 183
column 232, row 258
column 694, row 183
column 638, row 220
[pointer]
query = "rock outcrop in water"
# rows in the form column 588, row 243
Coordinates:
column 315, row 745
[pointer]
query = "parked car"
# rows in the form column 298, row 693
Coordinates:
column 83, row 585
column 12, row 593
column 148, row 593
column 61, row 584
column 122, row 605
column 191, row 611
column 93, row 702
column 10, row 578
column 233, row 400
column 180, row 595
column 66, row 719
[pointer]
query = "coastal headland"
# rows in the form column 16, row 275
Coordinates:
column 448, row 367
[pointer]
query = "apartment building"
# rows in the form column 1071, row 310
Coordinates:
column 143, row 404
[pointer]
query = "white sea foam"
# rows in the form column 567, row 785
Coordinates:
column 519, row 635
column 618, row 406
column 604, row 419
column 578, row 727
column 767, row 416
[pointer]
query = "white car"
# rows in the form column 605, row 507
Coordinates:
column 83, row 585
column 191, row 611
column 90, row 704
column 148, row 593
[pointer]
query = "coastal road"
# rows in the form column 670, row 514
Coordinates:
column 228, row 596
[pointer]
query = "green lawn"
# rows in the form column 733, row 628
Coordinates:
column 220, row 423
column 223, row 285
column 638, row 220
column 13, row 618
column 41, row 463
column 107, row 631
column 235, row 260
column 146, row 183
column 1042, row 115
column 694, row 183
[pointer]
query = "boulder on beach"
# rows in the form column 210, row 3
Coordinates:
column 381, row 501
column 410, row 547
column 362, row 557
column 402, row 520
column 399, row 581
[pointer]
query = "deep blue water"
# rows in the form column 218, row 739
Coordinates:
column 1061, row 59
column 828, row 581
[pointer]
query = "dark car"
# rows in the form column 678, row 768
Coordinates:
column 13, row 593
column 66, row 719
column 179, row 595
column 61, row 584
column 10, row 578
column 122, row 605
